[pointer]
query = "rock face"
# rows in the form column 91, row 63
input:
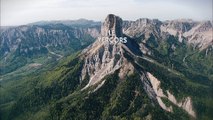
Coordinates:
column 112, row 24
column 104, row 57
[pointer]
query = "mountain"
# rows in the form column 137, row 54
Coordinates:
column 52, row 41
column 179, row 40
column 19, row 43
column 79, row 22
column 199, row 34
column 133, row 70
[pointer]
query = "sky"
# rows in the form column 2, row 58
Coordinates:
column 20, row 12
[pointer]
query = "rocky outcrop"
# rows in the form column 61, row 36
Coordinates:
column 112, row 24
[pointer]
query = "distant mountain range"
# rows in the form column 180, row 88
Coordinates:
column 80, row 22
column 35, row 37
column 80, row 70
column 34, row 41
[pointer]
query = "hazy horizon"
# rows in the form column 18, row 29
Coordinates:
column 22, row 12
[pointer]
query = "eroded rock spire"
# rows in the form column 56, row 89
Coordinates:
column 112, row 26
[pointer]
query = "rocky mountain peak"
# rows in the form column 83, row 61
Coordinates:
column 105, row 55
column 112, row 26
